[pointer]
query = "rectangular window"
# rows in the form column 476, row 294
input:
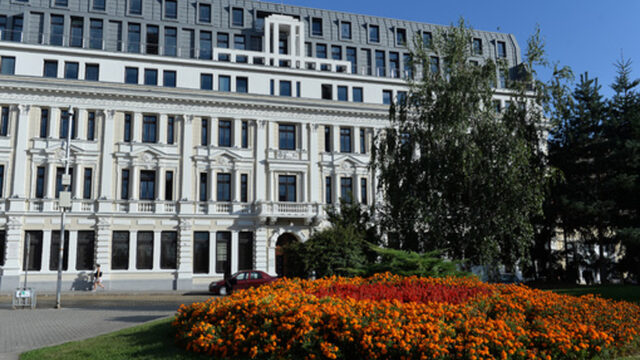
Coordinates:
column 169, row 78
column 239, row 42
column 287, row 136
column 343, row 93
column 127, row 128
column 363, row 138
column 120, row 250
column 244, row 188
column 298, row 88
column 133, row 38
column 124, row 184
column 75, row 33
column 502, row 49
column 336, row 52
column 245, row 251
column 168, row 250
column 286, row 188
column 171, row 9
column 401, row 37
column 327, row 91
column 147, row 185
column 85, row 250
column 204, row 184
column 149, row 128
column 381, row 68
column 130, row 75
column 387, row 97
column 71, row 70
column 86, row 186
column 206, row 52
column 272, row 87
column 408, row 67
column 367, row 57
column 64, row 124
column 245, row 134
column 345, row 140
column 374, row 33
column 32, row 246
column 7, row 65
column 224, row 83
column 223, row 187
column 151, row 77
column 54, row 251
column 477, row 46
column 321, row 51
column 327, row 138
column 204, row 13
column 191, row 35
column 44, row 122
column 357, row 94
column 427, row 40
column 223, row 252
column 204, row 132
column 316, row 26
column 242, row 84
column 328, row 197
column 435, row 64
column 345, row 30
column 285, row 88
column 352, row 58
column 153, row 37
column 171, row 125
column 99, row 5
column 95, row 33
column 394, row 64
column 135, row 7
column 16, row 30
column 402, row 98
column 224, row 133
column 144, row 250
column 118, row 25
column 363, row 191
column 346, row 189
column 170, row 41
column 168, row 186
column 223, row 40
column 50, row 69
column 206, row 82
column 200, row 252
column 40, row 179
column 92, row 72
column 4, row 122
column 237, row 17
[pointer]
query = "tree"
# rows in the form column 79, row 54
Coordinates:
column 457, row 175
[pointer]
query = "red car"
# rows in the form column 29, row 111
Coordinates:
column 241, row 280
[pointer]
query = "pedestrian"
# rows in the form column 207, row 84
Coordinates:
column 97, row 278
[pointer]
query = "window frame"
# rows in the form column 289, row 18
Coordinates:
column 120, row 244
column 287, row 133
column 312, row 30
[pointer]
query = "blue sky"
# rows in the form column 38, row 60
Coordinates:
column 587, row 35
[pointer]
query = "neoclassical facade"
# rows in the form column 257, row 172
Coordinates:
column 204, row 134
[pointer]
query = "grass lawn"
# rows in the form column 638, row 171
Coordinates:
column 616, row 292
column 149, row 341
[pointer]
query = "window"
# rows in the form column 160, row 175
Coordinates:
column 3, row 246
column 133, row 38
column 168, row 185
column 200, row 252
column 245, row 251
column 245, row 134
column 327, row 138
column 237, row 17
column 170, row 41
column 86, row 186
column 502, row 49
column 272, row 87
column 95, row 33
column 4, row 124
column 223, row 252
column 387, row 96
column 327, row 190
column 171, row 126
column 223, row 40
column 244, row 188
column 171, row 9
column 144, row 250
column 204, row 13
column 71, row 70
column 363, row 138
column 435, row 64
column 357, row 94
column 321, row 51
column 44, row 122
column 223, row 187
column 345, row 30
column 239, row 42
column 402, row 98
column 57, row 30
column 153, row 36
column 401, row 37
column 99, row 5
column 191, row 35
column 367, row 57
column 206, row 82
column 374, row 33
column 205, row 45
column 204, row 181
column 408, row 67
column 54, row 251
column 147, row 185
column 91, row 125
column 496, row 106
column 298, row 88
column 50, row 69
column 286, row 188
column 40, row 179
column 345, row 140
column 149, row 128
column 346, row 189
column 118, row 25
column 127, row 128
column 287, row 136
column 124, row 181
column 316, row 27
column 352, row 58
column 169, row 78
column 224, row 133
column 503, row 79
column 336, row 52
column 327, row 91
column 7, row 65
column 242, row 84
column 477, row 47
column 427, row 40
column 92, row 72
column 151, row 77
column 64, row 124
column 381, row 69
column 32, row 246
column 2, row 182
column 343, row 93
column 224, row 83
column 131, row 75
column 204, row 132
column 363, row 191
column 135, row 7
column 120, row 250
column 84, row 250
column 168, row 250
column 75, row 35
column 285, row 88
column 394, row 64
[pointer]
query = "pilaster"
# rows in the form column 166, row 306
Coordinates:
column 12, row 255
column 184, row 277
column 260, row 249
column 18, row 193
column 315, row 190
column 106, row 162
column 260, row 149
column 186, row 173
column 103, row 237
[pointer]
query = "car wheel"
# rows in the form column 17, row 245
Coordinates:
column 222, row 291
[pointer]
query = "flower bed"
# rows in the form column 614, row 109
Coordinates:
column 390, row 317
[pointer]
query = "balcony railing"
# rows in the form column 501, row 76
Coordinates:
column 290, row 210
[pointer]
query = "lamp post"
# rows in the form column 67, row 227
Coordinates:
column 64, row 201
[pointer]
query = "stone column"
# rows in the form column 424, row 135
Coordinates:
column 235, row 184
column 19, row 170
column 73, row 248
column 77, row 182
column 133, row 240
column 46, row 249
column 234, row 251
column 156, row 250
column 136, row 127
column 186, row 171
column 50, row 182
column 162, row 129
column 184, row 277
column 103, row 240
column 106, row 162
column 335, row 137
column 212, row 252
column 54, row 123
column 237, row 133
column 315, row 190
column 134, row 196
column 213, row 132
column 271, row 255
column 260, row 155
column 81, row 124
column 260, row 249
column 355, row 196
column 356, row 140
column 12, row 256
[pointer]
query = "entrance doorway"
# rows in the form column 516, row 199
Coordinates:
column 281, row 257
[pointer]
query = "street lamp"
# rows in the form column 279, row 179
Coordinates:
column 64, row 202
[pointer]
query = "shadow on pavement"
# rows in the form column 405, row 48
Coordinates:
column 136, row 318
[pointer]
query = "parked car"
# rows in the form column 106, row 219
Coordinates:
column 241, row 280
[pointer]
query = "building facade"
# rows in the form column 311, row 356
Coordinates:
column 204, row 134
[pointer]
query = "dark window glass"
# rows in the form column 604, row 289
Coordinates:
column 327, row 138
column 343, row 93
column 64, row 124
column 124, row 190
column 133, row 42
column 245, row 134
column 57, row 30
column 44, row 122
column 4, row 125
column 95, row 33
column 363, row 191
column 3, row 246
column 16, row 29
column 40, row 179
column 200, row 252
column 150, row 77
column 206, row 82
column 238, row 17
column 7, row 65
column 502, row 49
column 394, row 64
column 401, row 37
column 120, row 250
column 224, row 83
column 381, row 69
column 321, row 51
column 2, row 182
column 224, row 133
column 54, row 251
column 402, row 97
column 171, row 125
column 135, row 7
column 204, row 182
column 204, row 132
column 287, row 188
column 170, row 41
column 244, row 187
column 153, row 36
column 435, row 64
column 99, row 5
column 316, row 27
column 245, row 251
column 427, row 40
column 71, row 70
column 204, row 13
column 223, row 40
column 239, row 42
column 32, row 245
column 328, row 196
column 223, row 187
column 131, row 75
column 352, row 58
column 191, row 35
column 374, row 33
column 86, row 188
column 285, row 88
column 327, row 91
column 168, row 185
column 357, row 94
column 170, row 9
column 50, row 68
column 144, row 250
column 149, row 128
column 272, row 87
column 345, row 140
column 408, row 68
column 85, row 250
column 346, row 189
column 147, row 185
column 387, row 96
column 287, row 136
column 336, row 52
column 223, row 252
column 118, row 25
column 242, row 84
column 92, row 72
column 298, row 88
column 367, row 57
column 345, row 30
column 477, row 47
column 127, row 128
column 363, row 138
column 169, row 78
column 168, row 250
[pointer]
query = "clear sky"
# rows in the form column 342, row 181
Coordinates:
column 587, row 35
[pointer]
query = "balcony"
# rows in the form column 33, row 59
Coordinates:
column 157, row 207
column 290, row 210
column 224, row 208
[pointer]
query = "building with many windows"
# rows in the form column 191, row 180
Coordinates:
column 204, row 133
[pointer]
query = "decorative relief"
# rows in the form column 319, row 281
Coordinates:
column 185, row 225
column 14, row 223
column 103, row 224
